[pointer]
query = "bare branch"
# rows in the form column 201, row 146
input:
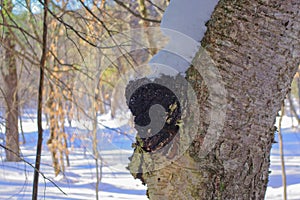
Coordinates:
column 136, row 14
column 35, row 169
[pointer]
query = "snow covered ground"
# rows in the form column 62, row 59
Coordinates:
column 291, row 142
column 79, row 180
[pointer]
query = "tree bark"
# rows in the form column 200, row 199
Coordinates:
column 11, row 90
column 255, row 46
column 40, row 103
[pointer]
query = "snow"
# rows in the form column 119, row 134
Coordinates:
column 115, row 137
column 78, row 182
column 293, row 192
column 291, row 143
column 185, row 31
column 79, row 179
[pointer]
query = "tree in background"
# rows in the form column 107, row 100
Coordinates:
column 10, row 77
column 60, row 41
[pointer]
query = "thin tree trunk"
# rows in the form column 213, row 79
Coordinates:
column 293, row 109
column 95, row 146
column 40, row 104
column 250, row 44
column 21, row 128
column 100, row 97
column 282, row 154
column 298, row 87
column 62, row 136
column 292, row 117
column 65, row 140
column 61, row 155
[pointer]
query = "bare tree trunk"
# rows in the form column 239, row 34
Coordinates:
column 63, row 146
column 66, row 147
column 11, row 89
column 282, row 154
column 100, row 97
column 298, row 87
column 40, row 105
column 94, row 110
column 95, row 147
column 255, row 48
column 21, row 128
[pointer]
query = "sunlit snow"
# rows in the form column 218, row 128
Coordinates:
column 184, row 24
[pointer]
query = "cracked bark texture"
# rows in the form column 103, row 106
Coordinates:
column 256, row 48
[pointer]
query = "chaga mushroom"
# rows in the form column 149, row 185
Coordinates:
column 156, row 110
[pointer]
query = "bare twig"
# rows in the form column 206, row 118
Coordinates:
column 35, row 169
column 156, row 6
column 136, row 14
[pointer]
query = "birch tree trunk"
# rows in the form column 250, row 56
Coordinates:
column 255, row 46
